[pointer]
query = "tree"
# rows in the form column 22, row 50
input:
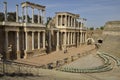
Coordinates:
column 102, row 27
column 91, row 28
column 11, row 16
column 1, row 16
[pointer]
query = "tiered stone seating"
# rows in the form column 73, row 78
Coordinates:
column 102, row 68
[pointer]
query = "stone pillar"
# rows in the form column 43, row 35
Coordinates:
column 22, row 14
column 18, row 46
column 71, row 22
column 32, row 40
column 5, row 10
column 61, row 19
column 71, row 38
column 64, row 40
column 38, row 40
column 57, row 46
column 43, row 39
column 26, row 41
column 65, row 21
column 32, row 15
column 43, row 16
column 26, row 44
column 38, row 16
column 26, row 18
column 68, row 38
column 81, row 38
column 57, row 20
column 68, row 21
column 74, row 38
column 17, row 13
column 6, row 45
column 6, row 41
column 74, row 22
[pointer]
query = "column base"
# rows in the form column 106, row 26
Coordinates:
column 7, row 55
column 25, row 54
column 57, row 48
column 18, row 55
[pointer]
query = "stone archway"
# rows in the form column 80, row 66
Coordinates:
column 90, row 41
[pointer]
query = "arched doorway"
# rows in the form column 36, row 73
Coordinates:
column 90, row 41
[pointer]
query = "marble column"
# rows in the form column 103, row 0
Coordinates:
column 74, row 38
column 71, row 38
column 43, row 16
column 5, row 10
column 6, row 45
column 57, row 20
column 71, row 22
column 74, row 22
column 38, row 16
column 81, row 37
column 43, row 39
column 26, row 41
column 18, row 46
column 26, row 18
column 68, row 21
column 22, row 14
column 57, row 46
column 17, row 20
column 32, row 15
column 32, row 40
column 38, row 40
column 6, row 41
column 64, row 40
column 65, row 21
column 68, row 38
column 61, row 19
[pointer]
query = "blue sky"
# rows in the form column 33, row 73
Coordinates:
column 97, row 12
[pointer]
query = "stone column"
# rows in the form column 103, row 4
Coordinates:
column 26, row 41
column 64, row 40
column 18, row 46
column 81, row 38
column 43, row 16
column 32, row 15
column 71, row 22
column 38, row 16
column 5, row 10
column 43, row 39
column 68, row 38
column 61, row 19
column 26, row 18
column 32, row 40
column 22, row 14
column 6, row 45
column 68, row 21
column 74, row 22
column 71, row 38
column 57, row 20
column 57, row 47
column 26, row 44
column 65, row 21
column 38, row 40
column 17, row 13
column 74, row 38
column 6, row 41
